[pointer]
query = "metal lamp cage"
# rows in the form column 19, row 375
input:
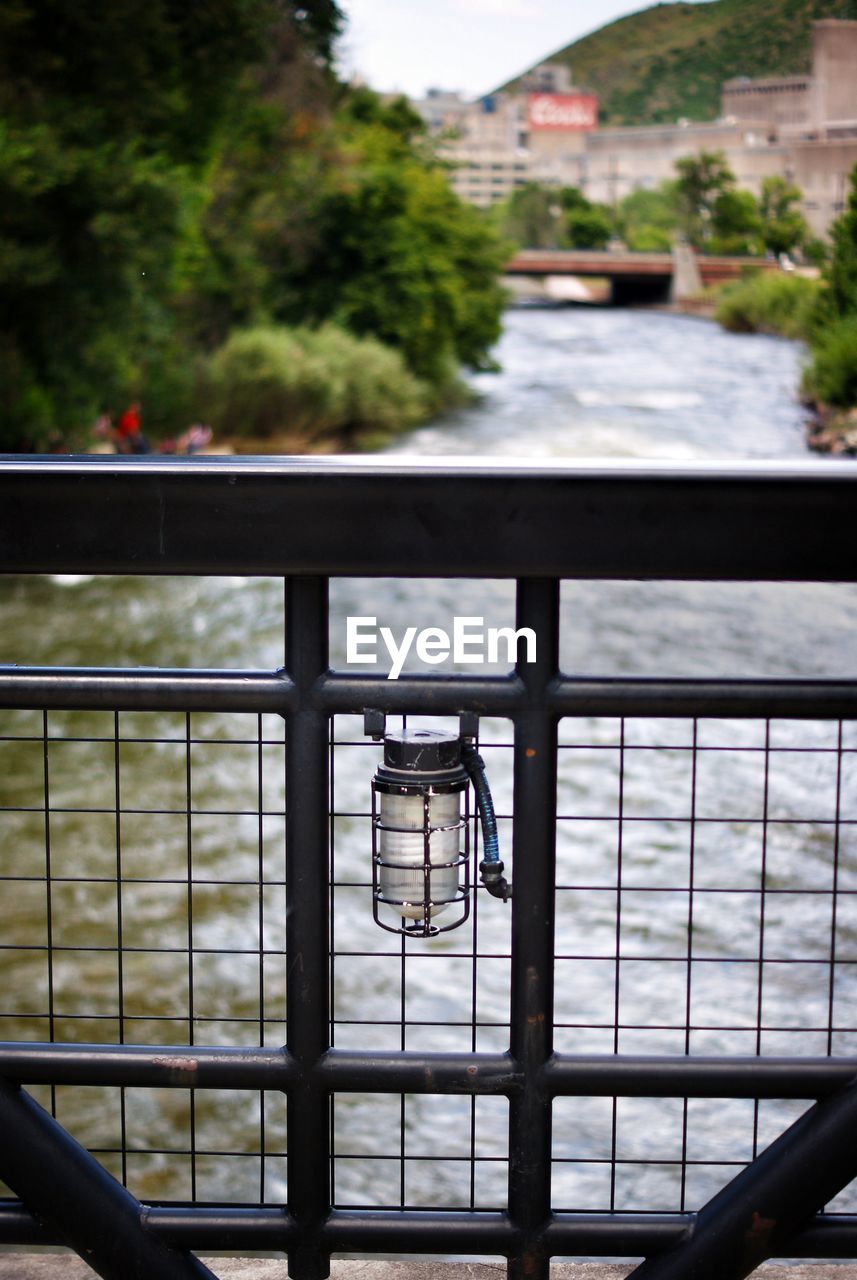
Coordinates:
column 418, row 913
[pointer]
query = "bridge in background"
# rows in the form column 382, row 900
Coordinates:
column 635, row 277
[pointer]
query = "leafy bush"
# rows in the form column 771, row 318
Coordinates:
column 536, row 216
column 648, row 219
column 394, row 254
column 376, row 394
column 841, row 273
column 532, row 216
column 588, row 228
column 316, row 384
column 816, row 251
column 736, row 226
column 769, row 302
column 832, row 376
column 647, row 238
column 784, row 227
column 260, row 382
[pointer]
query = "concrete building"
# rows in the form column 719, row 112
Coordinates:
column 486, row 143
column 804, row 108
column 803, row 128
column 505, row 140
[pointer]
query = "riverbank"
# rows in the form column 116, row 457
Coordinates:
column 608, row 376
column 796, row 306
column 832, row 430
column 701, row 305
column 611, row 382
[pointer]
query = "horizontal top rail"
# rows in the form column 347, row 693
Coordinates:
column 430, row 517
column 593, row 1075
column 163, row 689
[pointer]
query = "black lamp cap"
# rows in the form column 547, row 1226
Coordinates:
column 422, row 751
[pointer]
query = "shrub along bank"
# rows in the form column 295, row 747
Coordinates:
column 824, row 314
column 290, row 389
column 830, row 380
column 769, row 302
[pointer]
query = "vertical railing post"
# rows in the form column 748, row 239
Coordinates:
column 307, row 981
column 534, row 837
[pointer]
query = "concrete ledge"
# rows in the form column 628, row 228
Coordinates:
column 63, row 1266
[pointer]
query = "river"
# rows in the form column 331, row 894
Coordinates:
column 628, row 384
column 203, row 798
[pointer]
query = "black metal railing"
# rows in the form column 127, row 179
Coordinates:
column 516, row 1067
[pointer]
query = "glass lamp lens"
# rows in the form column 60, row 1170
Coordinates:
column 402, row 844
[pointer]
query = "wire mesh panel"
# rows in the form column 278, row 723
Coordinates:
column 705, row 905
column 144, row 902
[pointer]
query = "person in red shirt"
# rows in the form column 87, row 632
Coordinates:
column 129, row 436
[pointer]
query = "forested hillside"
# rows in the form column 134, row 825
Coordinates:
column 670, row 61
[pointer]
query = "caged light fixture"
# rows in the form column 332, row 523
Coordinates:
column 419, row 869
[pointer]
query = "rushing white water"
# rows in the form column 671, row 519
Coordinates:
column 574, row 383
column 628, row 384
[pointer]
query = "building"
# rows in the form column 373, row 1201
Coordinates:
column 818, row 107
column 802, row 128
column 505, row 140
column 484, row 140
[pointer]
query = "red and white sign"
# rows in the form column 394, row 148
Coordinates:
column 568, row 112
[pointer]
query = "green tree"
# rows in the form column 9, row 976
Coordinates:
column 784, row 227
column 816, row 250
column 702, row 179
column 531, row 217
column 841, row 274
column 318, row 22
column 536, row 216
column 169, row 174
column 832, row 375
column 111, row 116
column 572, row 200
column 87, row 264
column 396, row 254
column 259, row 221
column 588, row 228
column 735, row 223
column 648, row 219
column 587, row 225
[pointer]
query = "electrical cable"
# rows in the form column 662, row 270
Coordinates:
column 491, row 866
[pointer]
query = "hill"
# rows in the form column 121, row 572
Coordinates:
column 670, row 61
